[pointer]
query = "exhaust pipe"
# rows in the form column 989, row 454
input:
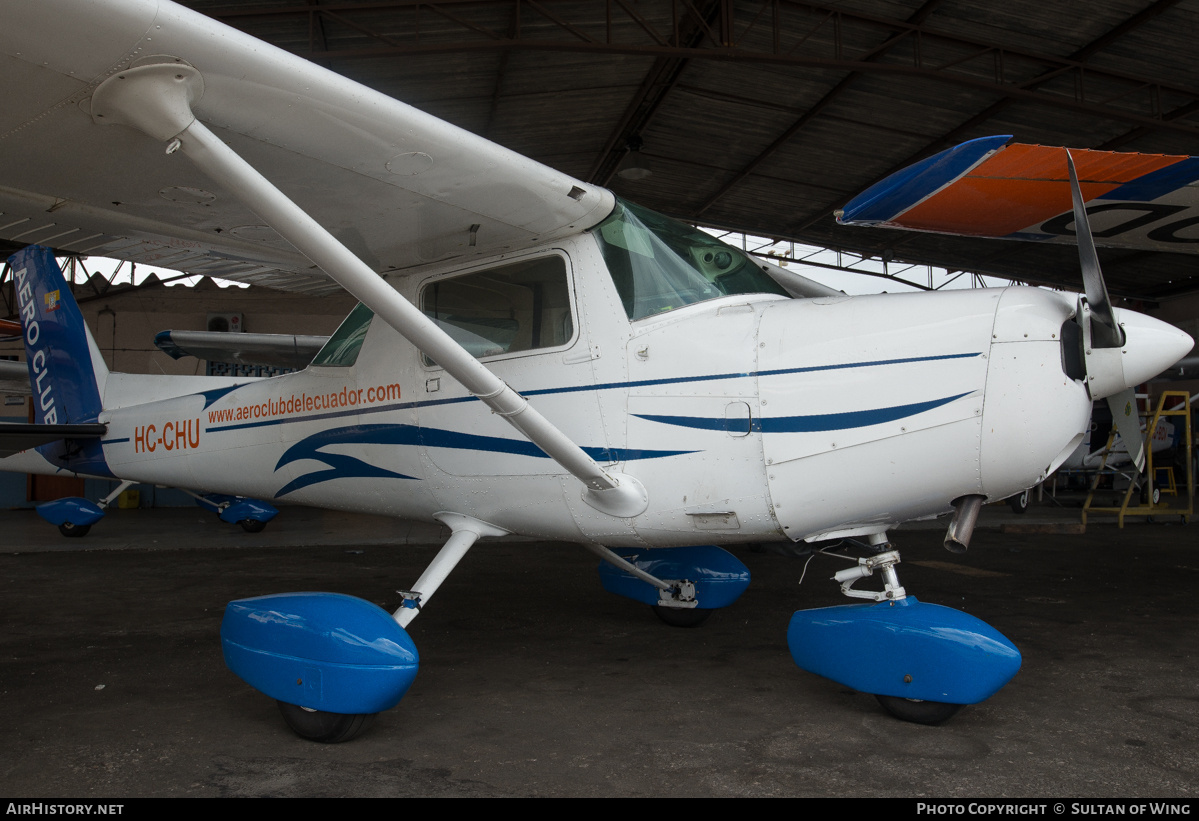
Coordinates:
column 961, row 526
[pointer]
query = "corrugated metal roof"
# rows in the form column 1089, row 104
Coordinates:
column 766, row 115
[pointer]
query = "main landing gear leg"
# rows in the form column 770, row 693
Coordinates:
column 923, row 662
column 676, row 604
column 335, row 661
column 683, row 585
column 320, row 725
column 251, row 514
column 75, row 516
column 465, row 531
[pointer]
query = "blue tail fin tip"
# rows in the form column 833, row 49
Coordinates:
column 64, row 367
column 66, row 371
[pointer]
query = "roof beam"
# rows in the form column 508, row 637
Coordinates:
column 661, row 78
column 316, row 30
column 501, row 70
column 917, row 17
column 657, row 84
column 642, row 36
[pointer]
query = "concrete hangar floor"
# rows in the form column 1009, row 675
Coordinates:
column 535, row 682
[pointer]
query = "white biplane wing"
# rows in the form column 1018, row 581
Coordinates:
column 396, row 186
column 990, row 187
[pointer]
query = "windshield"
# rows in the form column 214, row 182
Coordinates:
column 659, row 264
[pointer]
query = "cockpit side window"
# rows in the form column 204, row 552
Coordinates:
column 520, row 306
column 659, row 264
column 342, row 348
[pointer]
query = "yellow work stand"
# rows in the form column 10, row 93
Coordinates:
column 1152, row 505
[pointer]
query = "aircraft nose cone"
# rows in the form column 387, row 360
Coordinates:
column 1150, row 346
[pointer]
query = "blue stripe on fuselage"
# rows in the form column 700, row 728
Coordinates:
column 345, row 466
column 806, row 424
column 676, row 380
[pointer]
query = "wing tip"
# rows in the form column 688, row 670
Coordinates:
column 905, row 188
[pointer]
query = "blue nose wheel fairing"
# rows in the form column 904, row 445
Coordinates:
column 321, row 651
column 904, row 649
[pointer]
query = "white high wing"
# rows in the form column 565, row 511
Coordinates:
column 531, row 356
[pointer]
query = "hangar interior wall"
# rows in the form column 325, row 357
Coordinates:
column 124, row 321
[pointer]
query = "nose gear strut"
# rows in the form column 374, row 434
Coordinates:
column 885, row 564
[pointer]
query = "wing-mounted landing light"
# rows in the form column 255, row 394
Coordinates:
column 156, row 98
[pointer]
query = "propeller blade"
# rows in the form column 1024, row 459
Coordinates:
column 1105, row 333
column 1124, row 414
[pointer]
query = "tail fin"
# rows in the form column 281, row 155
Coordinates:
column 66, row 371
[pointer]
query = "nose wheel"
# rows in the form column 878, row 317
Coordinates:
column 923, row 662
column 679, row 617
column 919, row 711
column 1019, row 502
column 327, row 728
column 915, row 710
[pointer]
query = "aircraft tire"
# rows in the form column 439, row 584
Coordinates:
column 917, row 711
column 327, row 728
column 252, row 525
column 73, row 531
column 1019, row 502
column 679, row 617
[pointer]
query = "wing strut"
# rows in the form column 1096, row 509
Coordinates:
column 156, row 98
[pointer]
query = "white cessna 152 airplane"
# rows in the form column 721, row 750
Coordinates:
column 531, row 356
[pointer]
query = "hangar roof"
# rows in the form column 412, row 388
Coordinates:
column 765, row 116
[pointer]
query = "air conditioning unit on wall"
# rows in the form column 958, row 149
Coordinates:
column 226, row 322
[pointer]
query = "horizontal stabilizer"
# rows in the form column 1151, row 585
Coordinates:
column 15, row 438
column 273, row 350
column 988, row 188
